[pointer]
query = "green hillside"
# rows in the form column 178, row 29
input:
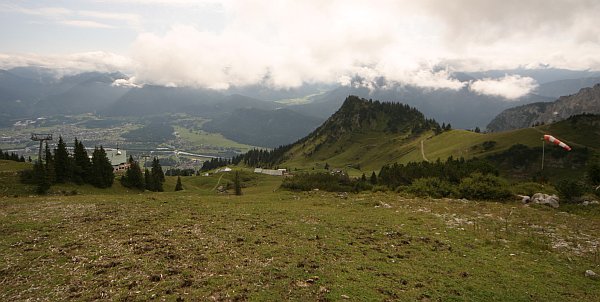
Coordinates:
column 275, row 245
column 365, row 135
column 362, row 134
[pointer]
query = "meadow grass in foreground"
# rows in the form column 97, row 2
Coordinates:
column 279, row 245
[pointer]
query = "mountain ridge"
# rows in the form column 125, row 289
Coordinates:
column 587, row 100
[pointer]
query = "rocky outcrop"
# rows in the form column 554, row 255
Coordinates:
column 587, row 100
column 541, row 198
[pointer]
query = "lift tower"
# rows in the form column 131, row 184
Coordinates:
column 40, row 138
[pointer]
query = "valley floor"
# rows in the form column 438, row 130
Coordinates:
column 282, row 245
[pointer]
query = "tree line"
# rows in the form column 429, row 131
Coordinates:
column 59, row 166
column 451, row 170
column 151, row 180
column 12, row 156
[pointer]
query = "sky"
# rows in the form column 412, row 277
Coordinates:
column 282, row 44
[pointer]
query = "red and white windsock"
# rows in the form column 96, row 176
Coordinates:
column 554, row 140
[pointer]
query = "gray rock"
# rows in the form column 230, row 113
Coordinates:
column 590, row 274
column 545, row 199
column 524, row 198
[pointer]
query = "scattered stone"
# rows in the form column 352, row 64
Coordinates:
column 383, row 205
column 345, row 297
column 312, row 279
column 323, row 289
column 591, row 274
column 545, row 199
column 589, row 202
column 342, row 195
column 524, row 198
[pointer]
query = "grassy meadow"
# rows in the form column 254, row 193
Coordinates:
column 275, row 245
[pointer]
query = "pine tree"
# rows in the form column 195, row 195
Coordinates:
column 62, row 166
column 81, row 164
column 148, row 180
column 133, row 177
column 363, row 178
column 40, row 177
column 178, row 186
column 236, row 184
column 326, row 166
column 157, row 176
column 102, row 174
column 49, row 164
column 373, row 178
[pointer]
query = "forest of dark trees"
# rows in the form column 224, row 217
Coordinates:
column 451, row 170
column 60, row 167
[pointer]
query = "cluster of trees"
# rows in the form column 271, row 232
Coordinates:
column 474, row 179
column 262, row 158
column 61, row 167
column 451, row 170
column 216, row 163
column 571, row 190
column 361, row 113
column 332, row 182
column 12, row 156
column 151, row 180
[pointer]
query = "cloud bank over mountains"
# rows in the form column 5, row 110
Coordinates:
column 287, row 43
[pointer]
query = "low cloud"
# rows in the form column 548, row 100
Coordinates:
column 511, row 87
column 287, row 43
column 130, row 83
column 70, row 63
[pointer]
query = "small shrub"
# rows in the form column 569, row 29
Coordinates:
column 570, row 190
column 376, row 189
column 485, row 187
column 322, row 181
column 530, row 188
column 432, row 187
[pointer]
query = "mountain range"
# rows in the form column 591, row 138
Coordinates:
column 587, row 100
column 29, row 92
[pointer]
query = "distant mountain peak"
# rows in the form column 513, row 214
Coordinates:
column 587, row 100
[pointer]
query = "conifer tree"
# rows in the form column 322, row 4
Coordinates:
column 133, row 177
column 62, row 167
column 157, row 176
column 49, row 164
column 363, row 178
column 178, row 186
column 102, row 174
column 81, row 164
column 40, row 178
column 148, row 180
column 373, row 178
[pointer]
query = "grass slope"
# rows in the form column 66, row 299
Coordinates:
column 276, row 245
column 373, row 149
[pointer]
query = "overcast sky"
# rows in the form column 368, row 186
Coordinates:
column 217, row 43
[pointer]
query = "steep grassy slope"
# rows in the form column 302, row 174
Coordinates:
column 362, row 134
